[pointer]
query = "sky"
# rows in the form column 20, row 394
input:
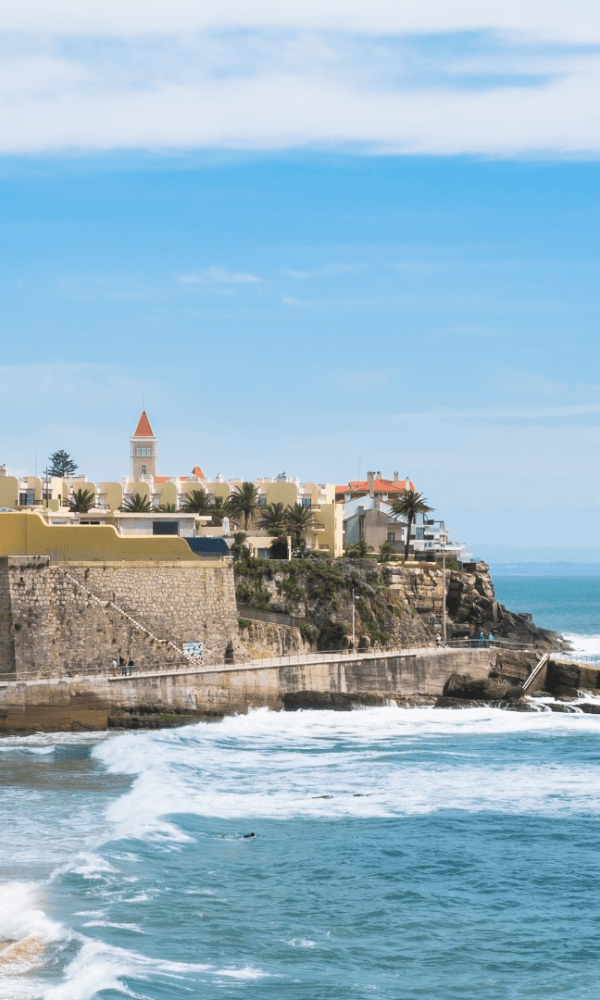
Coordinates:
column 320, row 238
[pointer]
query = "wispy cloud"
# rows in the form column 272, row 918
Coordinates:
column 325, row 271
column 496, row 78
column 505, row 413
column 288, row 300
column 218, row 276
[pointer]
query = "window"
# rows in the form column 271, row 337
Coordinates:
column 143, row 452
column 391, row 536
column 262, row 501
column 143, row 471
column 264, row 553
column 26, row 499
column 165, row 527
column 419, row 533
column 305, row 501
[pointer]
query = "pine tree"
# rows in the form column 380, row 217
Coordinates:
column 61, row 464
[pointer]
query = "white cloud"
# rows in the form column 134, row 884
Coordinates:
column 326, row 271
column 289, row 301
column 578, row 21
column 499, row 78
column 504, row 413
column 218, row 276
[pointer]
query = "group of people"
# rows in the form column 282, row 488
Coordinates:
column 124, row 666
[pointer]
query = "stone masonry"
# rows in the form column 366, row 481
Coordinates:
column 51, row 625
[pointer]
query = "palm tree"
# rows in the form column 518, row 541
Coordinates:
column 167, row 508
column 240, row 550
column 219, row 508
column 137, row 504
column 243, row 502
column 82, row 501
column 408, row 504
column 386, row 551
column 299, row 520
column 197, row 502
column 273, row 519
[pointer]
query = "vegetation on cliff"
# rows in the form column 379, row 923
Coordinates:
column 394, row 604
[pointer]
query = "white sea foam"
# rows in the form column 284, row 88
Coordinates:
column 22, row 915
column 248, row 973
column 119, row 927
column 583, row 645
column 379, row 762
column 27, row 932
column 99, row 966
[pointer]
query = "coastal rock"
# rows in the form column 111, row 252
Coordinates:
column 566, row 694
column 561, row 674
column 337, row 701
column 490, row 689
column 447, row 702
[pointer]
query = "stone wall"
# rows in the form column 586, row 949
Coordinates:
column 50, row 622
column 88, row 702
column 7, row 651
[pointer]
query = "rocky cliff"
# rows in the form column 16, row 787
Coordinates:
column 394, row 604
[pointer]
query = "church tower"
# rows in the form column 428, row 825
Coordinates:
column 143, row 450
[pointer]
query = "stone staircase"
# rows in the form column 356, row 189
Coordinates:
column 125, row 614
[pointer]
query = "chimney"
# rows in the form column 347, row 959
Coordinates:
column 395, row 478
column 379, row 474
column 371, row 482
column 2, row 470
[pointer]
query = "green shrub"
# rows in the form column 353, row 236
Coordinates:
column 308, row 634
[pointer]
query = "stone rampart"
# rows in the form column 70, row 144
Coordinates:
column 57, row 622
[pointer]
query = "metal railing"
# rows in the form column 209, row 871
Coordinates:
column 272, row 617
column 261, row 662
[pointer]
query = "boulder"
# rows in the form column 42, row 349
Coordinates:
column 561, row 674
column 566, row 693
column 487, row 689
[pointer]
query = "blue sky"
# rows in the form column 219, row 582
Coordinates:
column 310, row 240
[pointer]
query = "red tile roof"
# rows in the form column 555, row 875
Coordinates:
column 379, row 486
column 165, row 479
column 143, row 428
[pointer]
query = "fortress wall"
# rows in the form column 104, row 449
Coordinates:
column 50, row 625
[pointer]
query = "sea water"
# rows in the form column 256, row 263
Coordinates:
column 396, row 854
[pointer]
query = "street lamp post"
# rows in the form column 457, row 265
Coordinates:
column 444, row 594
column 354, row 598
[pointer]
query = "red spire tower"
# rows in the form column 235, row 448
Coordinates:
column 143, row 451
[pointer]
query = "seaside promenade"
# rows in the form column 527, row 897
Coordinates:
column 329, row 679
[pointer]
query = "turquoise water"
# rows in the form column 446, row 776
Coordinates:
column 399, row 854
column 566, row 604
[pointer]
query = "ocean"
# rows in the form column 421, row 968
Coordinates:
column 399, row 854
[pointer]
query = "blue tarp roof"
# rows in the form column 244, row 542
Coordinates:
column 208, row 546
